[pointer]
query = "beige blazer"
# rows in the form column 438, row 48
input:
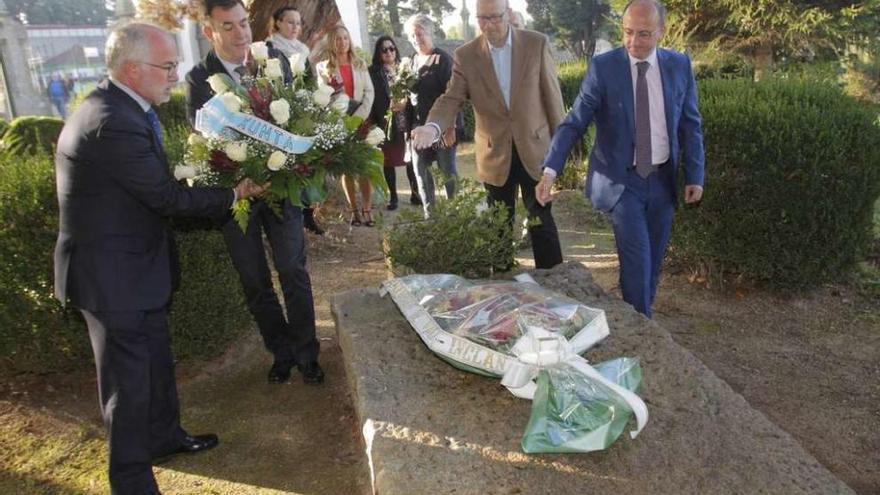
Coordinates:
column 535, row 104
column 363, row 86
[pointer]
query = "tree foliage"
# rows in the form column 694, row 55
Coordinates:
column 762, row 31
column 575, row 24
column 388, row 16
column 64, row 12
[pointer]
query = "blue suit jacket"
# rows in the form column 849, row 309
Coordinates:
column 114, row 249
column 606, row 98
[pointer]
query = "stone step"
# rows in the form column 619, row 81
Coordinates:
column 430, row 428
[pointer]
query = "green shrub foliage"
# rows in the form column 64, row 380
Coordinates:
column 461, row 237
column 37, row 334
column 571, row 75
column 31, row 135
column 793, row 171
column 173, row 113
column 3, row 127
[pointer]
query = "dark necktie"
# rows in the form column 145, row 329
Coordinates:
column 644, row 165
column 241, row 71
column 157, row 127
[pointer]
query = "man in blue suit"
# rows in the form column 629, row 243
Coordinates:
column 114, row 258
column 643, row 100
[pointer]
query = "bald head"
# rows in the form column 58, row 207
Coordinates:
column 648, row 6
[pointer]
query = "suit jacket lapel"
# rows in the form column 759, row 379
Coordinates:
column 214, row 65
column 629, row 104
column 133, row 106
column 518, row 61
column 666, row 80
column 485, row 60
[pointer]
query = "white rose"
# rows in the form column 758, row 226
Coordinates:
column 218, row 84
column 297, row 64
column 195, row 139
column 375, row 137
column 184, row 172
column 259, row 50
column 231, row 102
column 322, row 98
column 273, row 69
column 276, row 160
column 405, row 62
column 340, row 104
column 236, row 151
column 280, row 110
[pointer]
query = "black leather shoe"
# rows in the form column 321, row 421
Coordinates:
column 280, row 371
column 415, row 199
column 312, row 373
column 391, row 206
column 192, row 444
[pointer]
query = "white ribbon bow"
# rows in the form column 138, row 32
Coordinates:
column 539, row 349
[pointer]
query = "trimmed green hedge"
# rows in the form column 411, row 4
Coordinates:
column 4, row 126
column 30, row 135
column 793, row 171
column 37, row 334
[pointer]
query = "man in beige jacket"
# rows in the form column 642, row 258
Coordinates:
column 509, row 77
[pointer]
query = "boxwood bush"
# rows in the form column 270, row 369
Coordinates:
column 31, row 135
column 462, row 237
column 793, row 171
column 38, row 335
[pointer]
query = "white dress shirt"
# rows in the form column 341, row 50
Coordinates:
column 501, row 62
column 659, row 135
column 230, row 69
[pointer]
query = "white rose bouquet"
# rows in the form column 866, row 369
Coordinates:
column 268, row 104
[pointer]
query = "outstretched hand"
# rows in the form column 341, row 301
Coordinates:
column 542, row 190
column 247, row 189
column 424, row 136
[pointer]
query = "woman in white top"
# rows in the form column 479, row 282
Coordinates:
column 285, row 30
column 345, row 72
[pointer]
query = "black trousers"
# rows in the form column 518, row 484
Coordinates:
column 290, row 338
column 137, row 392
column 544, row 237
column 391, row 180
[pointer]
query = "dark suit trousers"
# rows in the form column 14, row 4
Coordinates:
column 642, row 221
column 544, row 237
column 293, row 337
column 138, row 393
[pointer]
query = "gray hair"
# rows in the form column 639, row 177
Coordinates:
column 420, row 20
column 130, row 42
column 658, row 7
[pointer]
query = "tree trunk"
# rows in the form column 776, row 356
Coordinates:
column 394, row 17
column 762, row 56
column 318, row 17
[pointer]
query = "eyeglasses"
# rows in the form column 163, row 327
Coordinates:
column 494, row 18
column 643, row 35
column 388, row 49
column 170, row 68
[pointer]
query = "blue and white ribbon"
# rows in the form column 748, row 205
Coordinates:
column 215, row 120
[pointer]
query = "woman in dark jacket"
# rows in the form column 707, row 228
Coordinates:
column 382, row 71
column 434, row 69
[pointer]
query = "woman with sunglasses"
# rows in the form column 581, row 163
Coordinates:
column 382, row 72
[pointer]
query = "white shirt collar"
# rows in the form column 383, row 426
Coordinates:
column 229, row 66
column 130, row 92
column 651, row 58
column 506, row 43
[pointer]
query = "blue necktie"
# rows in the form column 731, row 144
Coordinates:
column 157, row 127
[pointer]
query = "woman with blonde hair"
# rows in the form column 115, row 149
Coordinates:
column 345, row 72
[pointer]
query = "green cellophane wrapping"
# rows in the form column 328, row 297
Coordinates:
column 573, row 413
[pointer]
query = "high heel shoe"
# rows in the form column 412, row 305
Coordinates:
column 355, row 219
column 368, row 218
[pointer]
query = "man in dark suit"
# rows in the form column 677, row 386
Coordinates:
column 509, row 76
column 643, row 100
column 114, row 260
column 291, row 340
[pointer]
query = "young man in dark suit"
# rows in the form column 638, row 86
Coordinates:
column 291, row 340
column 113, row 257
column 643, row 100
